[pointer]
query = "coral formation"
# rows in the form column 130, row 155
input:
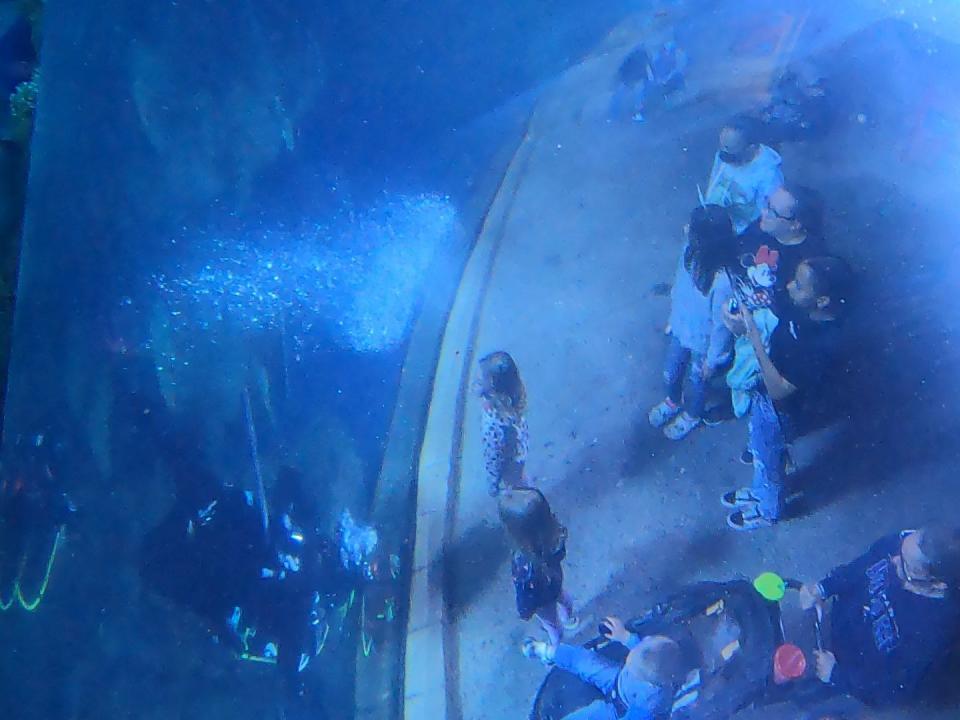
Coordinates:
column 23, row 105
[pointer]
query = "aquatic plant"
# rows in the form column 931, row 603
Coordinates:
column 23, row 105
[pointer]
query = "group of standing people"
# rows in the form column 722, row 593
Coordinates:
column 757, row 304
column 757, row 314
column 757, row 307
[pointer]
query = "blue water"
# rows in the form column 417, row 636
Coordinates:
column 245, row 224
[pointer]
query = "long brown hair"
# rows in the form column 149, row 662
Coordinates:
column 526, row 515
column 505, row 392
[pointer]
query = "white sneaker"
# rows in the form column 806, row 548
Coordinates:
column 536, row 649
column 662, row 413
column 681, row 427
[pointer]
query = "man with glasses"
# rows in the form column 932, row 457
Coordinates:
column 895, row 613
column 790, row 223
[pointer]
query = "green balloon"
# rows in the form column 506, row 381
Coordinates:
column 771, row 586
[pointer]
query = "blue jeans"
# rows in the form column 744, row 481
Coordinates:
column 685, row 364
column 627, row 101
column 768, row 444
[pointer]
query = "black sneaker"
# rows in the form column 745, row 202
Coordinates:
column 789, row 466
column 748, row 519
column 741, row 498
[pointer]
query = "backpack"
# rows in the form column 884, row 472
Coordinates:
column 536, row 582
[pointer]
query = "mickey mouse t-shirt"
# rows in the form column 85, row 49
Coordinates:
column 753, row 240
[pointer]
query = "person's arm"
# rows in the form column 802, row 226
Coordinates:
column 618, row 632
column 844, row 576
column 710, row 194
column 778, row 387
column 587, row 665
column 721, row 339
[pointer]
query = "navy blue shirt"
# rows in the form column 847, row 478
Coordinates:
column 885, row 637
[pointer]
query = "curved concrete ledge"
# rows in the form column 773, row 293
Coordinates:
column 430, row 677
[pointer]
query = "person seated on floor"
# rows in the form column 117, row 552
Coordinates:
column 642, row 688
column 791, row 225
column 894, row 616
column 797, row 108
column 776, row 371
column 641, row 76
column 700, row 343
column 744, row 174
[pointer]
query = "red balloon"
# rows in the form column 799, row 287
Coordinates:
column 789, row 663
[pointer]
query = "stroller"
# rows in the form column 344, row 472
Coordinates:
column 729, row 634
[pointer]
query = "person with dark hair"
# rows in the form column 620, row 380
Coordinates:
column 895, row 614
column 744, row 174
column 792, row 365
column 537, row 569
column 503, row 400
column 699, row 341
column 639, row 76
column 790, row 227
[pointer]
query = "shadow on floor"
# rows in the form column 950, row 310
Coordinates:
column 470, row 564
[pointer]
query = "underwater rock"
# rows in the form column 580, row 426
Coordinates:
column 32, row 11
column 216, row 107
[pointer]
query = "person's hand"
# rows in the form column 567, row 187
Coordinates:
column 706, row 370
column 810, row 596
column 618, row 631
column 749, row 325
column 826, row 664
column 734, row 321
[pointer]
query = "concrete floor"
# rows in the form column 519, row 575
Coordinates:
column 593, row 228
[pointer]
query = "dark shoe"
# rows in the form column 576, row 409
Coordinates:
column 718, row 414
column 748, row 519
column 741, row 498
column 789, row 466
column 712, row 420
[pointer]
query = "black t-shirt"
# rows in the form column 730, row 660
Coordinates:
column 802, row 350
column 753, row 238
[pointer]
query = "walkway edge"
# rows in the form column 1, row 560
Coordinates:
column 431, row 687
